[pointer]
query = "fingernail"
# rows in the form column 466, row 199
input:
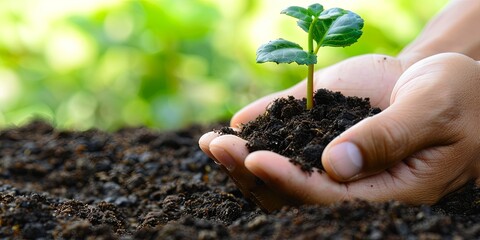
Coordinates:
column 223, row 157
column 346, row 160
column 215, row 160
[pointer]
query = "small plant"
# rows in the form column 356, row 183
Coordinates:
column 334, row 27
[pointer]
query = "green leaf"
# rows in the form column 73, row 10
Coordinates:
column 298, row 13
column 332, row 13
column 344, row 30
column 337, row 27
column 315, row 9
column 305, row 25
column 320, row 29
column 284, row 51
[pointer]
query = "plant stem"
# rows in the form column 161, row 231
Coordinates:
column 311, row 70
column 311, row 67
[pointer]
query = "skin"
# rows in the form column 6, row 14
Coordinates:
column 422, row 146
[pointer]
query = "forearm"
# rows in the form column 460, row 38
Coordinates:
column 455, row 29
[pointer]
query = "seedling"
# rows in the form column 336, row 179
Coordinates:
column 334, row 27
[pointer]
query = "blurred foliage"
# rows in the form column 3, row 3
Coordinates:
column 163, row 63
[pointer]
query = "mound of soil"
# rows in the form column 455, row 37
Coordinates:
column 138, row 183
column 288, row 129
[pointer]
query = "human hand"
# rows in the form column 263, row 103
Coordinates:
column 420, row 148
column 370, row 76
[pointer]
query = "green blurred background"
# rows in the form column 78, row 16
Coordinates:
column 164, row 63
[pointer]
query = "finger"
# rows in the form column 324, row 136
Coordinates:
column 204, row 142
column 401, row 182
column 381, row 141
column 280, row 174
column 231, row 151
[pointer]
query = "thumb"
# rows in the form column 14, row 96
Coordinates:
column 424, row 113
column 379, row 142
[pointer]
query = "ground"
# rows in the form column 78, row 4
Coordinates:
column 140, row 183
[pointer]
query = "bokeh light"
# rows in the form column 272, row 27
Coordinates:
column 162, row 63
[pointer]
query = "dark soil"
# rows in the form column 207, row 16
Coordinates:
column 288, row 129
column 138, row 183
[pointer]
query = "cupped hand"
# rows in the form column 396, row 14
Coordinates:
column 421, row 147
column 370, row 76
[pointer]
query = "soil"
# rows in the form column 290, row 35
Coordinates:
column 138, row 183
column 289, row 129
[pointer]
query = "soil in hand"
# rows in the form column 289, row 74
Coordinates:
column 288, row 129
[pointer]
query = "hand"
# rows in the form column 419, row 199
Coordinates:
column 424, row 145
column 368, row 76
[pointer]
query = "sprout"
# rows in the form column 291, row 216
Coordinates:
column 334, row 27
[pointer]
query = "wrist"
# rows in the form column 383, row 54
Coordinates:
column 452, row 30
